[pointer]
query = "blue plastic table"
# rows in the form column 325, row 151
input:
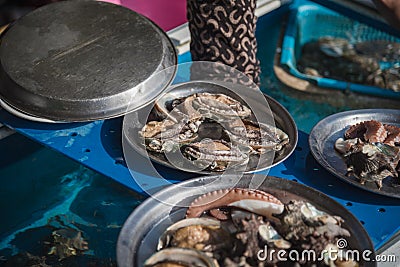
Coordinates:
column 97, row 145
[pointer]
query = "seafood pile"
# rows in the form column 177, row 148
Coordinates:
column 246, row 227
column 372, row 63
column 213, row 131
column 371, row 151
column 67, row 242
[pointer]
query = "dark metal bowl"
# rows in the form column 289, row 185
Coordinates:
column 82, row 61
column 139, row 235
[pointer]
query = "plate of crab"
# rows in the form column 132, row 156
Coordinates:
column 361, row 147
column 208, row 128
column 219, row 221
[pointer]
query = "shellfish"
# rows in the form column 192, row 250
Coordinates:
column 373, row 162
column 180, row 257
column 385, row 78
column 215, row 106
column 166, row 135
column 361, row 63
column 67, row 242
column 336, row 47
column 268, row 234
column 370, row 131
column 211, row 130
column 215, row 155
column 270, row 226
column 203, row 234
column 260, row 137
column 393, row 135
column 335, row 257
column 370, row 152
column 304, row 225
column 344, row 146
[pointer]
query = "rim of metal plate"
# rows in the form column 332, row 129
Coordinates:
column 82, row 61
column 324, row 134
column 282, row 119
column 22, row 115
column 139, row 234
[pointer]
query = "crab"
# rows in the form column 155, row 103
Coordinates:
column 206, row 105
column 260, row 137
column 215, row 155
column 166, row 135
column 211, row 130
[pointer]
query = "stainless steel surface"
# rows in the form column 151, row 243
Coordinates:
column 390, row 253
column 281, row 117
column 83, row 60
column 139, row 235
column 323, row 136
column 22, row 115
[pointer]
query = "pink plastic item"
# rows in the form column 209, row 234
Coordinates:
column 167, row 14
column 117, row 2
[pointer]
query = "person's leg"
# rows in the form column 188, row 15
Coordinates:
column 224, row 31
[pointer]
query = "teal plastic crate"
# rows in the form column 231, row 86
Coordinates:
column 311, row 22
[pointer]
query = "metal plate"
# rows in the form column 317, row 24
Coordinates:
column 281, row 116
column 22, row 115
column 83, row 60
column 323, row 136
column 139, row 235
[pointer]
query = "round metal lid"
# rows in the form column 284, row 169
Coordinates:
column 83, row 60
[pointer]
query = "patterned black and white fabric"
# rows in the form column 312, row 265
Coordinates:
column 224, row 31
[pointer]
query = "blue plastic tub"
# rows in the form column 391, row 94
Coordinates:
column 311, row 22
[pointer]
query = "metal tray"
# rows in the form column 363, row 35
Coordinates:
column 82, row 61
column 281, row 117
column 323, row 136
column 22, row 115
column 139, row 235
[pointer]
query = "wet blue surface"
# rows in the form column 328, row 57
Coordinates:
column 43, row 190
